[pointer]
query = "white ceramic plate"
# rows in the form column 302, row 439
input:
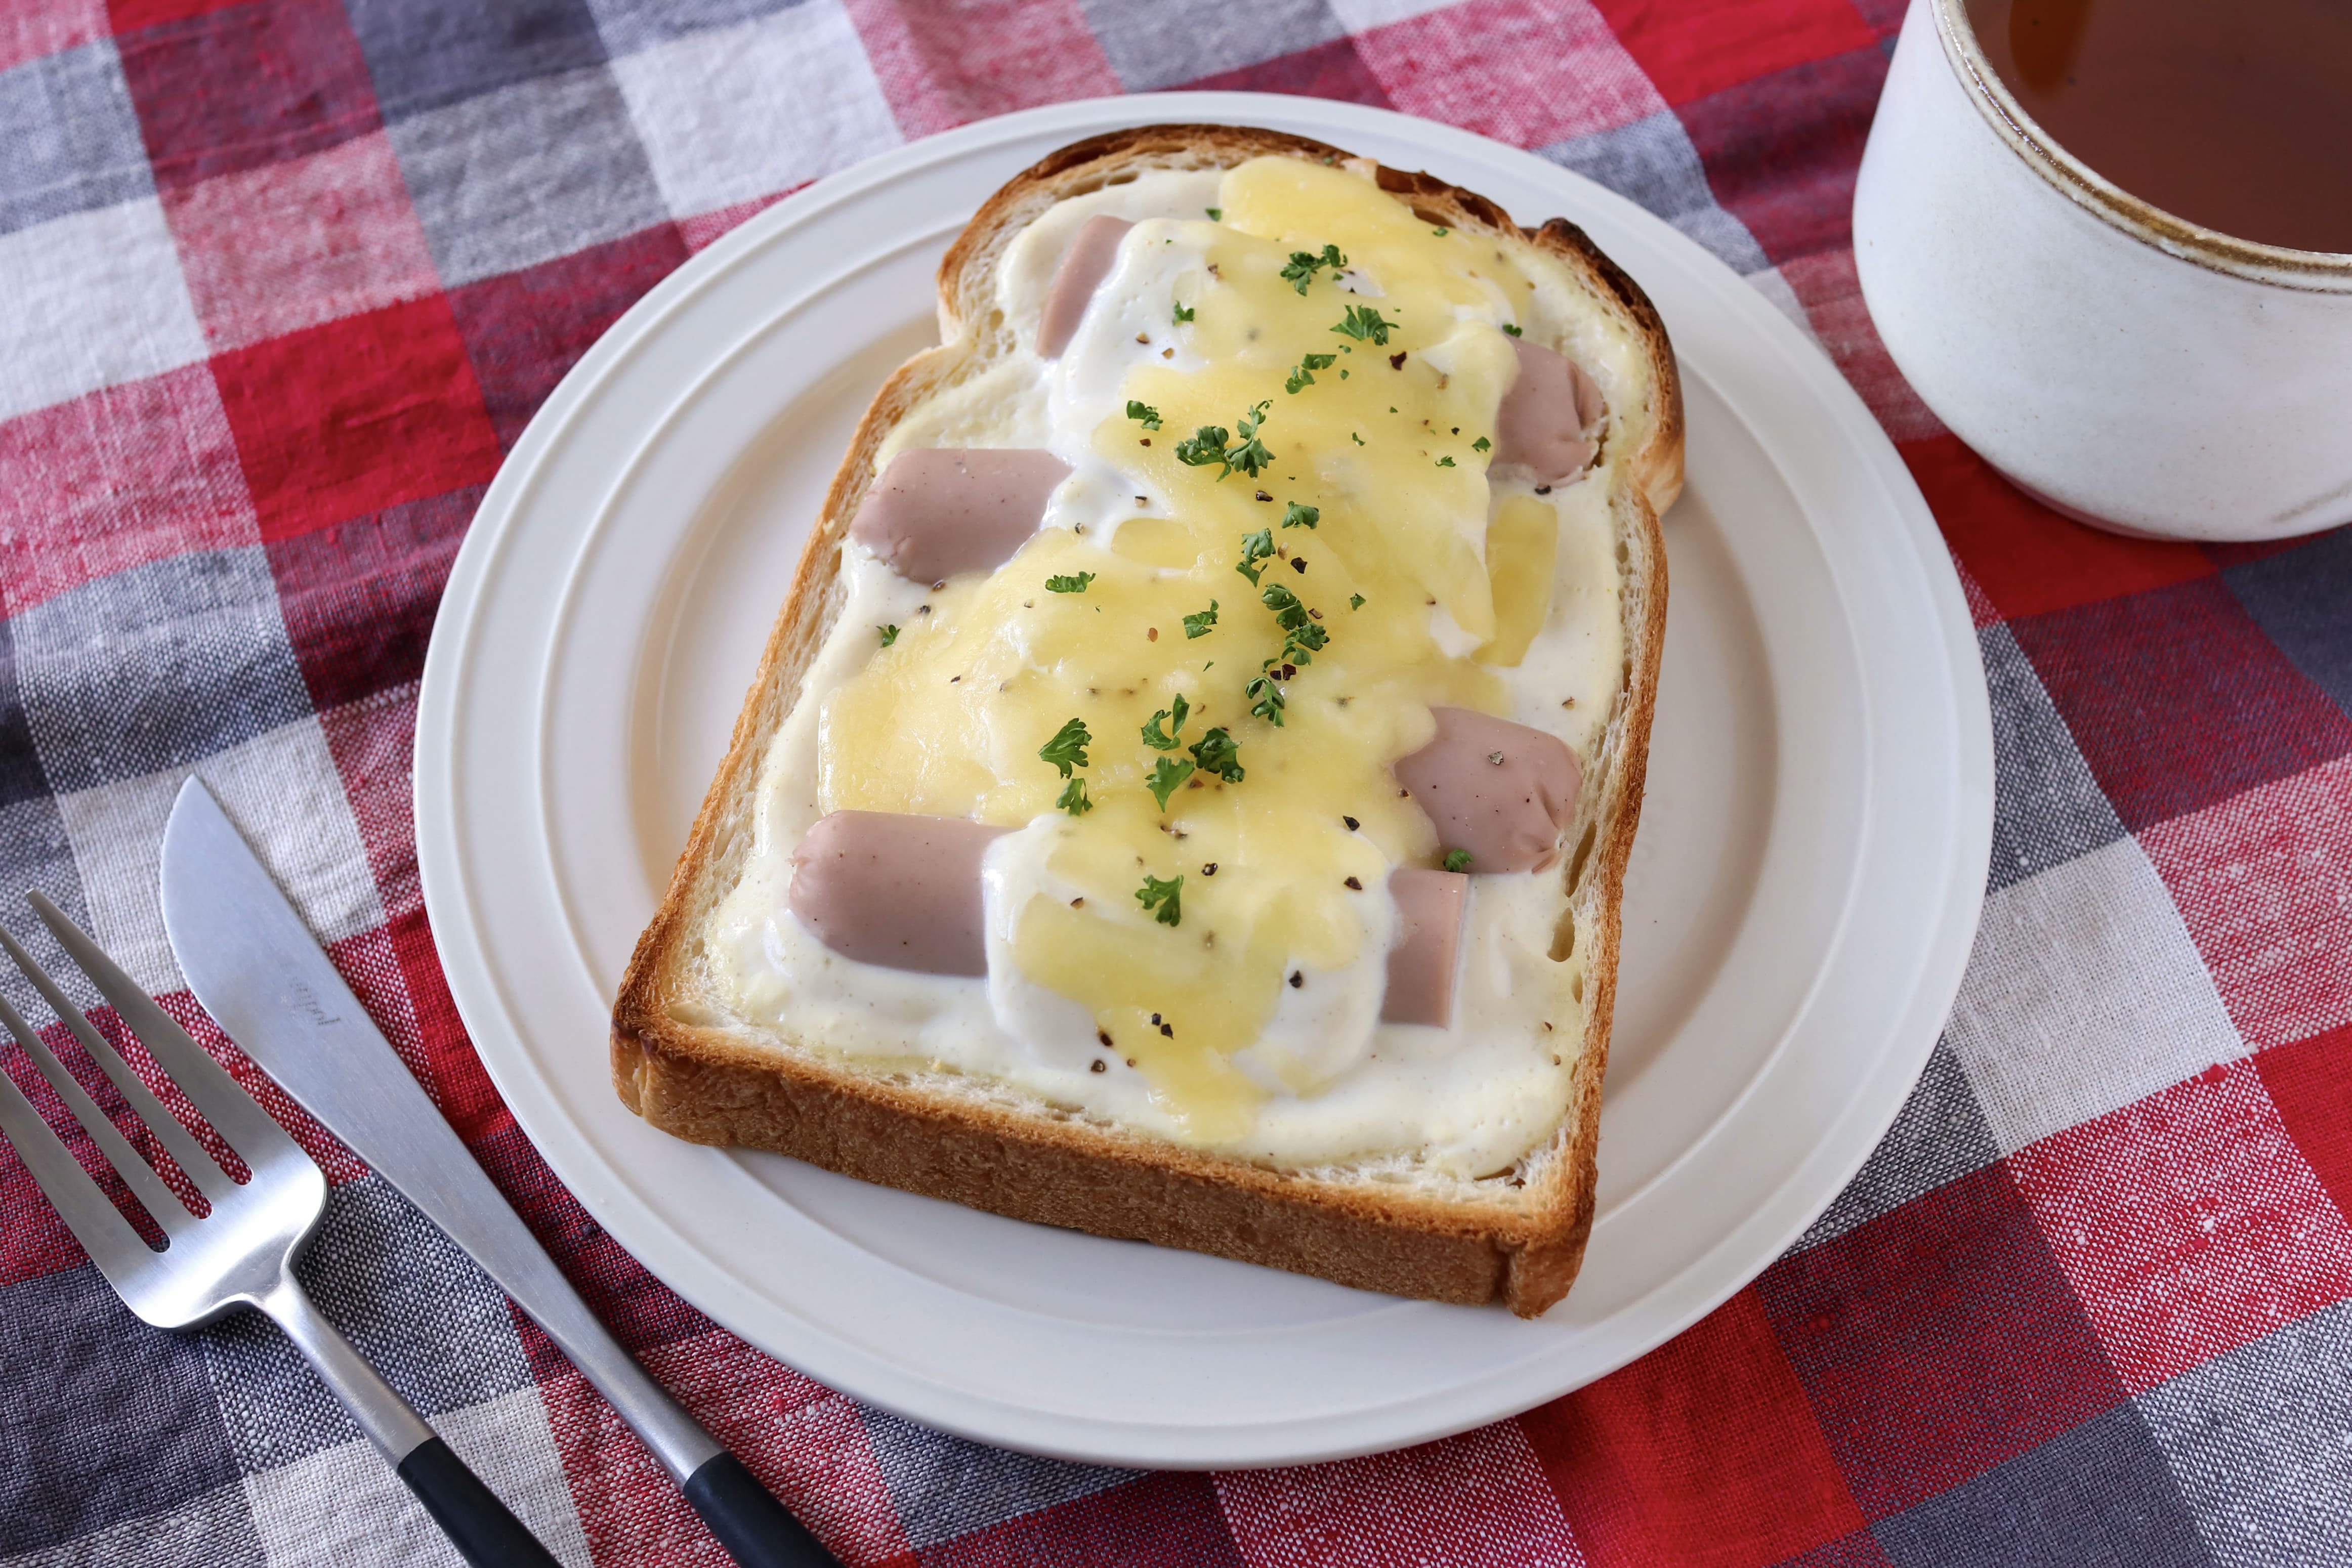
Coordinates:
column 1803, row 896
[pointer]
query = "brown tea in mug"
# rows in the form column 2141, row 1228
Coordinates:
column 2233, row 114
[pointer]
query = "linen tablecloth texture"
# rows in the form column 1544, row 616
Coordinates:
column 281, row 281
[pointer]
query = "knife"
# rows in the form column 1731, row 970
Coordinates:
column 255, row 968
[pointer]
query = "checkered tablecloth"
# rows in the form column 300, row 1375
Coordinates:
column 281, row 281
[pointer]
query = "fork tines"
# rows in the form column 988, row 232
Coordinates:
column 102, row 1228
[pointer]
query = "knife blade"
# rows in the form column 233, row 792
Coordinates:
column 253, row 964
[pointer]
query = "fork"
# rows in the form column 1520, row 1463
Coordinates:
column 241, row 1253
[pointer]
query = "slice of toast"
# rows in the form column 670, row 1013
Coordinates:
column 686, row 1063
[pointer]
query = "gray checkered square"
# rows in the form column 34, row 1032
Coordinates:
column 2260, row 1441
column 944, row 1486
column 36, row 851
column 418, row 1309
column 68, row 139
column 214, row 1530
column 156, row 666
column 148, row 1437
column 527, row 173
column 1175, row 41
column 2096, row 1496
column 1939, row 1136
column 1652, row 161
column 424, row 54
column 2047, row 809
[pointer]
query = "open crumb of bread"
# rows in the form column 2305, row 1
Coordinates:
column 692, row 1059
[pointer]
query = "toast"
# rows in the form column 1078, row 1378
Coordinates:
column 686, row 1059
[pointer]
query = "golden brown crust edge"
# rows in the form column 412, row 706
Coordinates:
column 707, row 1086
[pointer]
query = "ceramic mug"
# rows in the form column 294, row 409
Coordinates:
column 2132, row 369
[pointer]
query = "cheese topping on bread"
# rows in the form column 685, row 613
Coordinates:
column 1280, row 566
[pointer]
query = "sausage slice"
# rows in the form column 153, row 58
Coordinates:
column 938, row 511
column 1429, row 934
column 1499, row 790
column 1546, row 417
column 901, row 891
column 1083, row 267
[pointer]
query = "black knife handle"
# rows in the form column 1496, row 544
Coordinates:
column 751, row 1525
column 484, row 1532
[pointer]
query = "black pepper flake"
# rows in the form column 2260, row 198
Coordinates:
column 1352, row 823
column 1145, row 442
column 1155, row 1017
column 941, row 583
column 1298, row 563
column 1263, row 497
column 1543, row 489
column 1457, row 430
column 1098, row 1065
column 922, row 610
column 1077, row 903
column 1298, row 980
column 1130, row 1061
column 1209, row 869
column 1103, row 1035
column 1167, row 1030
column 1396, row 360
column 1355, row 884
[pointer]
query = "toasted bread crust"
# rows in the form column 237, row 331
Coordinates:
column 1522, row 1243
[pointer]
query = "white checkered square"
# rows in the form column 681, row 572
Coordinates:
column 90, row 301
column 281, row 791
column 752, row 110
column 2083, row 993
column 343, row 1505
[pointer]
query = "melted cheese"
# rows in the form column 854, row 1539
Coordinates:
column 1252, row 1024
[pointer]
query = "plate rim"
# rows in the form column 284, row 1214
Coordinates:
column 476, row 987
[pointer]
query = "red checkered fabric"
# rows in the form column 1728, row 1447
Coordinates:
column 281, row 281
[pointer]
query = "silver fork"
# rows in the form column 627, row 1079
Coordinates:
column 242, row 1253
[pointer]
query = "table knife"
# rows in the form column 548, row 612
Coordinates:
column 255, row 966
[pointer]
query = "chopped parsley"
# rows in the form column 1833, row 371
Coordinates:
column 1440, row 234
column 1148, row 415
column 1295, row 516
column 1069, row 584
column 1355, row 602
column 1445, row 462
column 1265, row 699
column 1073, row 799
column 1300, row 272
column 1208, row 445
column 1356, row 438
column 1216, row 215
column 1302, row 636
column 1256, row 547
column 1458, row 860
column 1167, row 776
column 1251, row 455
column 1198, row 625
column 1302, row 375
column 1161, row 739
column 1183, row 312
column 1481, row 445
column 1220, row 754
column 1514, row 331
column 1068, row 749
column 890, row 635
column 1166, row 897
column 1363, row 323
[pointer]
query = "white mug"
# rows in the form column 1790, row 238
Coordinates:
column 2133, row 371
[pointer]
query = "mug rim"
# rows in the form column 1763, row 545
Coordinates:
column 2315, row 270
